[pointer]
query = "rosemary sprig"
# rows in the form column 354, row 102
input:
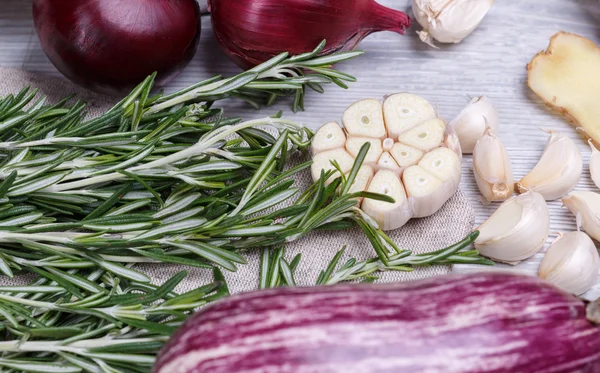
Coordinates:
column 118, row 328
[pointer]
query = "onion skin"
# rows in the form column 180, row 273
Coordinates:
column 487, row 322
column 110, row 46
column 252, row 31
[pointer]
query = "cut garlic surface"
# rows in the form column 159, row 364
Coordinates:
column 473, row 121
column 517, row 230
column 558, row 170
column 586, row 208
column 492, row 169
column 571, row 262
column 331, row 136
column 595, row 164
column 387, row 215
column 407, row 158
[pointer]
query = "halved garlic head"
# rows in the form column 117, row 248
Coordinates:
column 586, row 208
column 517, row 230
column 595, row 164
column 492, row 169
column 557, row 172
column 408, row 157
column 572, row 263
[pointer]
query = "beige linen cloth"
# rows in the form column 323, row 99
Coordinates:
column 452, row 223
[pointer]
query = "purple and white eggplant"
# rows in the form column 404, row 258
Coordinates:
column 489, row 322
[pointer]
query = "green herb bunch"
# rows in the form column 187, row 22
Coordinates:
column 158, row 179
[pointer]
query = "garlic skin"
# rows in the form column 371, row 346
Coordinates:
column 595, row 164
column 449, row 21
column 572, row 263
column 517, row 230
column 557, row 172
column 414, row 157
column 586, row 208
column 492, row 169
column 472, row 122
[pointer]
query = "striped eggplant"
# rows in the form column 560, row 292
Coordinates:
column 489, row 322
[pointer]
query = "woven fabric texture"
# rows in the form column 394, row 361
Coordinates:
column 452, row 223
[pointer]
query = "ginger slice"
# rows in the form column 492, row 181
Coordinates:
column 567, row 77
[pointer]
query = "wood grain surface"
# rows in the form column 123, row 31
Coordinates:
column 491, row 61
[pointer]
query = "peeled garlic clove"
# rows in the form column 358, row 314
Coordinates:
column 557, row 172
column 572, row 263
column 471, row 124
column 322, row 161
column 449, row 21
column 492, row 169
column 330, row 136
column 387, row 215
column 353, row 145
column 365, row 119
column 403, row 111
column 595, row 164
column 586, row 207
column 517, row 230
column 426, row 136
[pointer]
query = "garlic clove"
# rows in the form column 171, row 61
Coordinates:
column 330, row 136
column 353, row 145
column 449, row 21
column 424, row 190
column 322, row 161
column 386, row 161
column 365, row 119
column 403, row 111
column 444, row 164
column 405, row 155
column 586, row 207
column 362, row 180
column 426, row 136
column 558, row 170
column 471, row 124
column 517, row 230
column 387, row 215
column 572, row 263
column 492, row 169
column 595, row 164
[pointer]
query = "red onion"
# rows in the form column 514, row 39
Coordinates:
column 252, row 31
column 112, row 45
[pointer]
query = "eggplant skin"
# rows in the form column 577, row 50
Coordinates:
column 488, row 322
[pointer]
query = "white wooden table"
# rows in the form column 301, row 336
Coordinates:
column 491, row 61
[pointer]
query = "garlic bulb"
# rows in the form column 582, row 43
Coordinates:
column 595, row 164
column 586, row 207
column 517, row 230
column 413, row 156
column 572, row 263
column 472, row 122
column 557, row 172
column 492, row 169
column 449, row 21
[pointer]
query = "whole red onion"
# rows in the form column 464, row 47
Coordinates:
column 252, row 31
column 112, row 45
